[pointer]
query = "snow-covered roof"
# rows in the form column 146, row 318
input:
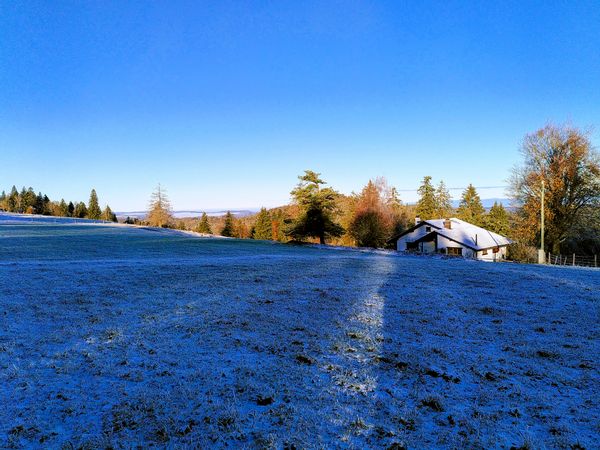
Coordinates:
column 467, row 234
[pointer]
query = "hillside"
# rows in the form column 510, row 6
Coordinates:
column 118, row 336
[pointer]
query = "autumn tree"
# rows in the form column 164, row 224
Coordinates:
column 203, row 225
column 563, row 158
column 470, row 208
column 372, row 222
column 228, row 229
column 159, row 209
column 317, row 206
column 93, row 208
column 262, row 227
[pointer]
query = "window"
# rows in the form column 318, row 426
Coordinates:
column 454, row 251
column 427, row 229
column 496, row 249
column 484, row 252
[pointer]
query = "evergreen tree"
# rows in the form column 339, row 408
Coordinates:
column 203, row 225
column 427, row 204
column 39, row 204
column 28, row 201
column 263, row 228
column 229, row 226
column 159, row 211
column 80, row 210
column 63, row 209
column 108, row 215
column 497, row 220
column 317, row 207
column 443, row 201
column 470, row 209
column 13, row 200
column 94, row 211
column 71, row 209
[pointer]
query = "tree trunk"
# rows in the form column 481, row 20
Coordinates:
column 322, row 239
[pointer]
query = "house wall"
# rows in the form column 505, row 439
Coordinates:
column 410, row 237
column 490, row 255
column 444, row 243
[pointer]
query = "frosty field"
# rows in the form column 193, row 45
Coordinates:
column 118, row 336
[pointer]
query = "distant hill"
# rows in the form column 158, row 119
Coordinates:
column 187, row 213
column 488, row 202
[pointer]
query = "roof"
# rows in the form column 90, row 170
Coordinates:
column 464, row 233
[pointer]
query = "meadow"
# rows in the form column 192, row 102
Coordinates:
column 116, row 336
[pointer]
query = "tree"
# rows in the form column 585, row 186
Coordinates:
column 427, row 204
column 228, row 229
column 443, row 201
column 470, row 208
column 94, row 211
column 108, row 215
column 71, row 209
column 317, row 207
column 497, row 220
column 563, row 158
column 203, row 225
column 159, row 209
column 262, row 227
column 80, row 210
column 63, row 209
column 372, row 222
column 12, row 202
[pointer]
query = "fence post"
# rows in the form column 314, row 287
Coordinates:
column 595, row 260
column 573, row 258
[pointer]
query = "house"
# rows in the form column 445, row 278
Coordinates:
column 453, row 237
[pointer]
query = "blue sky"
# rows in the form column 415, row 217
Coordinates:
column 225, row 103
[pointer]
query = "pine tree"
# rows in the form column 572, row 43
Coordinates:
column 229, row 226
column 203, row 225
column 317, row 208
column 470, row 209
column 497, row 220
column 108, row 215
column 263, row 228
column 427, row 204
column 80, row 210
column 159, row 210
column 93, row 210
column 63, row 209
column 443, row 201
column 71, row 209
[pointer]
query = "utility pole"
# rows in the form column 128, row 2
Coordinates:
column 541, row 252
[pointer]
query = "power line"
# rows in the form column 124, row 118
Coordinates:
column 457, row 188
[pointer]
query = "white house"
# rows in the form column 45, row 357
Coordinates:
column 453, row 237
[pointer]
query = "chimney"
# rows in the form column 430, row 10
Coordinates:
column 417, row 220
column 448, row 224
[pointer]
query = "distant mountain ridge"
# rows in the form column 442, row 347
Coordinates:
column 191, row 213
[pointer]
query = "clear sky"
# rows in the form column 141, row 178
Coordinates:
column 225, row 103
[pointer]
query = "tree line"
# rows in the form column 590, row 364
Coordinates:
column 562, row 157
column 27, row 201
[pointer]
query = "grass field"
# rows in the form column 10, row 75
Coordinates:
column 117, row 336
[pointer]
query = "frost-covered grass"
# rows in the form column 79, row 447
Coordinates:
column 117, row 336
